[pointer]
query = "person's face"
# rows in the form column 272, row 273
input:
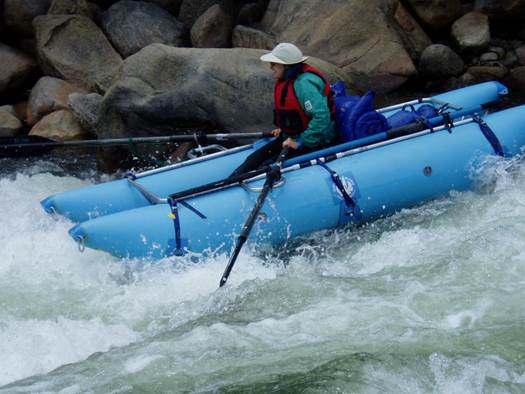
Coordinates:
column 278, row 70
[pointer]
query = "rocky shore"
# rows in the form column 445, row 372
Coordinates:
column 73, row 69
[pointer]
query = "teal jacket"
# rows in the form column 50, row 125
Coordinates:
column 321, row 128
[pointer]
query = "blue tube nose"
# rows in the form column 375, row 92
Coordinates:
column 48, row 205
column 502, row 89
column 77, row 232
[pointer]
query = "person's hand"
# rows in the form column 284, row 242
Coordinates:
column 290, row 142
column 276, row 132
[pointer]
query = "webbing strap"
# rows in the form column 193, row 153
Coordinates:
column 447, row 122
column 174, row 215
column 349, row 202
column 489, row 135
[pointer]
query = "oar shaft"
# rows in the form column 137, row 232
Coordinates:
column 135, row 140
column 246, row 228
column 273, row 174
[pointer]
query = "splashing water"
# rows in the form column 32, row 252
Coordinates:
column 427, row 300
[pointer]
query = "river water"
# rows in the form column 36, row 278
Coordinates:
column 430, row 300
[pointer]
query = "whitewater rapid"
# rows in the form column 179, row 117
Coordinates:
column 428, row 300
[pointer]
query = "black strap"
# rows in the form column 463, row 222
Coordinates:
column 349, row 202
column 447, row 122
column 176, row 222
column 489, row 135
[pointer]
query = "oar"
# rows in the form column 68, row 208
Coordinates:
column 273, row 174
column 34, row 145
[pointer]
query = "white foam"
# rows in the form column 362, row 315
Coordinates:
column 137, row 364
column 438, row 271
column 31, row 347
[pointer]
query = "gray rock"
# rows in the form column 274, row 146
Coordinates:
column 16, row 69
column 488, row 57
column 520, row 53
column 213, row 29
column 361, row 37
column 516, row 80
column 133, row 25
column 164, row 87
column 247, row 37
column 471, row 32
column 190, row 10
column 488, row 73
column 18, row 14
column 59, row 126
column 437, row 14
column 48, row 95
column 510, row 59
column 10, row 125
column 499, row 50
column 462, row 81
column 86, row 108
column 414, row 38
column 8, row 108
column 71, row 7
column 73, row 48
column 440, row 61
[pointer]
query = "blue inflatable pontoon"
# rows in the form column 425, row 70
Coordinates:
column 353, row 182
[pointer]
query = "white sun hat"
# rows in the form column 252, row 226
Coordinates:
column 284, row 53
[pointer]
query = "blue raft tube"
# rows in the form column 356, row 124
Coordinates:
column 380, row 179
column 107, row 198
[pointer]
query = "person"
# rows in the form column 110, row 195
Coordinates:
column 303, row 108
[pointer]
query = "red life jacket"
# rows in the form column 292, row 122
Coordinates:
column 289, row 115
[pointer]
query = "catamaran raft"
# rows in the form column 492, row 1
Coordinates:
column 168, row 211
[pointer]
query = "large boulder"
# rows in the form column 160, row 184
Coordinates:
column 60, row 126
column 230, row 89
column 132, row 25
column 18, row 14
column 213, row 29
column 86, row 108
column 72, row 47
column 516, row 81
column 414, row 38
column 190, row 10
column 10, row 125
column 440, row 61
column 436, row 14
column 471, row 32
column 48, row 95
column 16, row 69
column 71, row 7
column 487, row 73
column 363, row 38
column 248, row 37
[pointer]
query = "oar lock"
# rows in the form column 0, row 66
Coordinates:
column 274, row 172
column 252, row 189
column 204, row 150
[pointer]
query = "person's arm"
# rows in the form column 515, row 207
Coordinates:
column 319, row 132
